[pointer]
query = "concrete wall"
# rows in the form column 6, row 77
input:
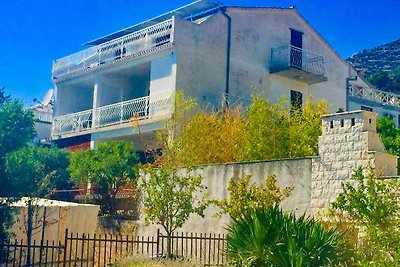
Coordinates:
column 201, row 57
column 295, row 173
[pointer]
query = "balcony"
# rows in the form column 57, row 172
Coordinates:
column 135, row 44
column 118, row 114
column 298, row 64
column 382, row 97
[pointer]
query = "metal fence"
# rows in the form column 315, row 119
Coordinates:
column 104, row 250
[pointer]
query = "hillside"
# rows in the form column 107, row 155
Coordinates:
column 381, row 58
column 380, row 65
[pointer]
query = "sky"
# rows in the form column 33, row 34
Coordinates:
column 33, row 33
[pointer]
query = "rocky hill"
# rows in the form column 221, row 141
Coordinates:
column 381, row 58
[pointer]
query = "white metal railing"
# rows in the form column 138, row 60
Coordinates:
column 74, row 122
column 43, row 116
column 374, row 95
column 291, row 56
column 131, row 44
column 114, row 114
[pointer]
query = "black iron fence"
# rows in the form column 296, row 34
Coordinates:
column 104, row 250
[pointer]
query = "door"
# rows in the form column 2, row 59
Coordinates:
column 296, row 52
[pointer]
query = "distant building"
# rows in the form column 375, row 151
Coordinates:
column 208, row 50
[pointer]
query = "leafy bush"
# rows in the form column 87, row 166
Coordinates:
column 372, row 205
column 269, row 237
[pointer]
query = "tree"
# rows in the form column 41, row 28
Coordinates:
column 34, row 172
column 390, row 136
column 372, row 205
column 107, row 168
column 169, row 197
column 245, row 196
column 216, row 137
column 273, row 131
column 269, row 237
column 266, row 130
column 16, row 130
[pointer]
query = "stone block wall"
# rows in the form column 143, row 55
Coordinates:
column 349, row 140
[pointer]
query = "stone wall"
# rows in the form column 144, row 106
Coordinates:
column 349, row 140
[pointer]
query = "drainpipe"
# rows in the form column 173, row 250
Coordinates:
column 348, row 79
column 228, row 52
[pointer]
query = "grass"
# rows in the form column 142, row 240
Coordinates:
column 143, row 262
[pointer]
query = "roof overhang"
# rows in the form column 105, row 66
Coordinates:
column 182, row 12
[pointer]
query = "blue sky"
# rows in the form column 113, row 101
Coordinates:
column 35, row 32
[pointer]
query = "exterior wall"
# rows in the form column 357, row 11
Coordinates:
column 201, row 57
column 255, row 32
column 295, row 173
column 356, row 103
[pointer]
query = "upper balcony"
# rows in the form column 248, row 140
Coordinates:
column 368, row 93
column 118, row 115
column 152, row 38
column 298, row 64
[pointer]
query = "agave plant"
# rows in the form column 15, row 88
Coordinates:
column 272, row 238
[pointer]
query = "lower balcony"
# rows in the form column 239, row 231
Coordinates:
column 298, row 64
column 114, row 115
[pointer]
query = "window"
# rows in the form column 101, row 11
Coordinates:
column 341, row 123
column 296, row 100
column 331, row 124
column 366, row 108
column 353, row 121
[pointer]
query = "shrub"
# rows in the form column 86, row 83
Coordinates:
column 269, row 237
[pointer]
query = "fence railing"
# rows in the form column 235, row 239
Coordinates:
column 138, row 109
column 43, row 116
column 104, row 250
column 135, row 43
column 291, row 56
column 375, row 95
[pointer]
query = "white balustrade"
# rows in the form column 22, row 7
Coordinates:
column 43, row 116
column 291, row 56
column 135, row 43
column 72, row 123
column 114, row 114
column 375, row 95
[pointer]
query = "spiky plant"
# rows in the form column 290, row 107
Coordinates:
column 270, row 237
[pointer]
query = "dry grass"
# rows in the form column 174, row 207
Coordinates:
column 143, row 262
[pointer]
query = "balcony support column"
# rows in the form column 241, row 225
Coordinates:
column 96, row 102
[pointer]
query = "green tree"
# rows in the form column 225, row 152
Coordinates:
column 34, row 172
column 372, row 205
column 16, row 129
column 107, row 168
column 169, row 197
column 390, row 136
column 215, row 137
column 269, row 237
column 245, row 196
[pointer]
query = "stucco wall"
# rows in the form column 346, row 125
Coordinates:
column 295, row 173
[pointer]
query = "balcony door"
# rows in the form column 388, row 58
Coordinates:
column 296, row 52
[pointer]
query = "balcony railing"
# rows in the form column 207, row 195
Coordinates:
column 133, row 44
column 115, row 114
column 43, row 116
column 375, row 95
column 290, row 56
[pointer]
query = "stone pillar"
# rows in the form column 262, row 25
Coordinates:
column 349, row 140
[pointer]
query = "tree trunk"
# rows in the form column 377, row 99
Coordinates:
column 169, row 245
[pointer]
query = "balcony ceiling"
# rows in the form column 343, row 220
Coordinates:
column 182, row 12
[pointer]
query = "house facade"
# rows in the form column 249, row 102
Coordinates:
column 123, row 83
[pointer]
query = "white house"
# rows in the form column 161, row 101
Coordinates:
column 208, row 50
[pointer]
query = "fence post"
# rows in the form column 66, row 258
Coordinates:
column 65, row 248
column 158, row 242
